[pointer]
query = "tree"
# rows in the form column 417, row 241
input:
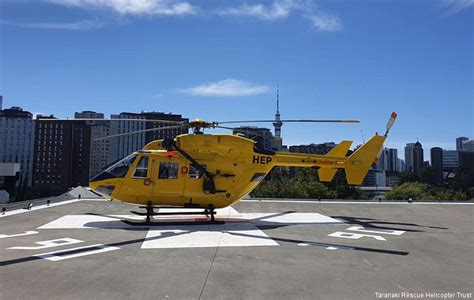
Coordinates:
column 408, row 190
column 428, row 175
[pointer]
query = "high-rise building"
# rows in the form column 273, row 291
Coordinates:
column 466, row 164
column 16, row 141
column 388, row 160
column 414, row 157
column 468, row 146
column 418, row 161
column 409, row 157
column 437, row 164
column 1, row 102
column 401, row 165
column 100, row 149
column 263, row 136
column 61, row 156
column 460, row 141
column 450, row 160
column 124, row 145
column 166, row 133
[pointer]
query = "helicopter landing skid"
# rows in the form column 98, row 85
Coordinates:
column 172, row 223
column 208, row 212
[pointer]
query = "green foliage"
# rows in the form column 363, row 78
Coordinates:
column 408, row 177
column 428, row 175
column 423, row 191
column 408, row 190
column 305, row 185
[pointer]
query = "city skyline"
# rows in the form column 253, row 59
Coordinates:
column 221, row 60
column 426, row 150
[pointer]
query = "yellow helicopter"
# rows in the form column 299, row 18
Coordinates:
column 212, row 171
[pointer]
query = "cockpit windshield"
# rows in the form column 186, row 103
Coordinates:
column 117, row 170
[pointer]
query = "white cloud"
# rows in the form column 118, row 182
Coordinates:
column 455, row 6
column 134, row 7
column 282, row 9
column 325, row 23
column 226, row 88
column 279, row 9
column 258, row 9
column 79, row 25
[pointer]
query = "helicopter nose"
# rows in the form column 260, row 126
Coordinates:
column 106, row 190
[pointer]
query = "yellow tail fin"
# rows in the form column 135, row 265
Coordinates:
column 327, row 174
column 358, row 164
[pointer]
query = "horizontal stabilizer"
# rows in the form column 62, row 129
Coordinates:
column 327, row 174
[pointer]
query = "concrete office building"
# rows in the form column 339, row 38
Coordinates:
column 99, row 149
column 401, row 165
column 169, row 120
column 450, row 160
column 388, row 160
column 437, row 164
column 263, row 136
column 468, row 146
column 460, row 141
column 466, row 163
column 16, row 141
column 124, row 145
column 414, row 157
column 61, row 156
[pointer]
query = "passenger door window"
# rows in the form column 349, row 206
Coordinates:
column 168, row 170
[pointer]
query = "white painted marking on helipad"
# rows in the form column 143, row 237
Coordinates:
column 194, row 236
column 5, row 236
column 239, row 229
column 376, row 230
column 94, row 249
column 90, row 222
column 326, row 246
column 259, row 219
column 290, row 218
column 49, row 244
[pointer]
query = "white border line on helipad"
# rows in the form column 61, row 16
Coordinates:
column 356, row 202
column 43, row 206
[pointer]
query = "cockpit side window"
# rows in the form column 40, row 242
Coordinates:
column 116, row 170
column 141, row 170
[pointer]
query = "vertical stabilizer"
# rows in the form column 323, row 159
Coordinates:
column 358, row 164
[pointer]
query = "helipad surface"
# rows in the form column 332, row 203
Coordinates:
column 264, row 250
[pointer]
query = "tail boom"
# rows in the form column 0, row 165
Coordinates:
column 356, row 165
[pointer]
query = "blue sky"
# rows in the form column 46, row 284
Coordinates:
column 222, row 60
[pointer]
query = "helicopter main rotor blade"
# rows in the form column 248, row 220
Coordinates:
column 289, row 121
column 100, row 120
column 141, row 131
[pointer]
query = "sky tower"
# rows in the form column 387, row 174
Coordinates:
column 277, row 124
